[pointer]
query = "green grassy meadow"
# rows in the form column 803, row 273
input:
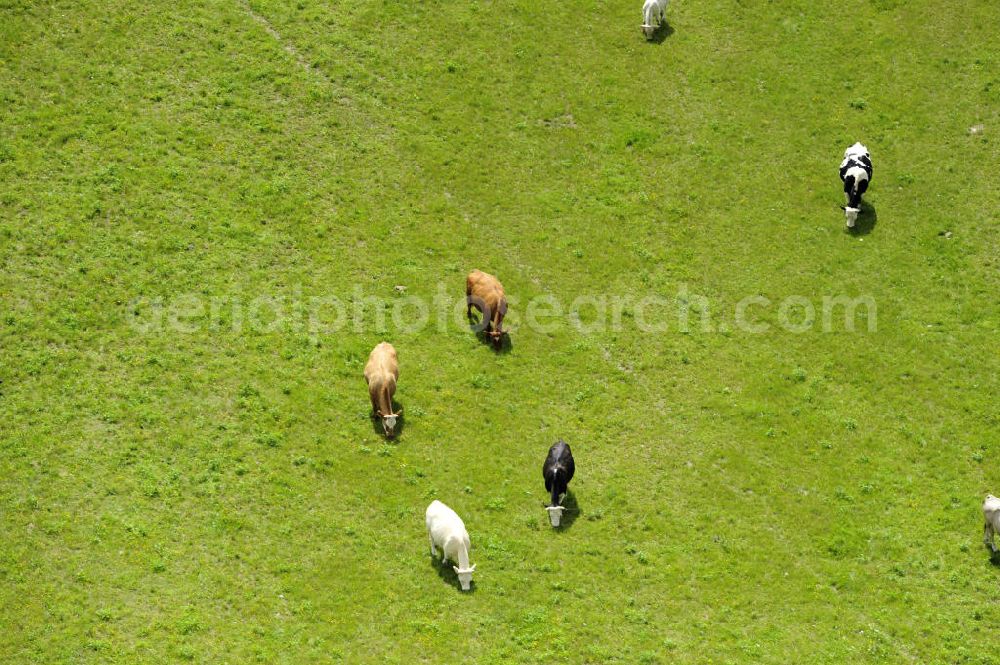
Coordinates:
column 206, row 490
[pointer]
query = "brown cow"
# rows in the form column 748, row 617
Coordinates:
column 381, row 374
column 484, row 292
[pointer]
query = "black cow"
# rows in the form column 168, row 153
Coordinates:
column 558, row 471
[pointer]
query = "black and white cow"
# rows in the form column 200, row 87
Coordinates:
column 558, row 471
column 856, row 173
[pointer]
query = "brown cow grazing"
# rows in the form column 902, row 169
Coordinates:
column 484, row 292
column 381, row 374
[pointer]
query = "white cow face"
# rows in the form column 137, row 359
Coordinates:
column 856, row 150
column 465, row 576
column 851, row 215
column 648, row 30
column 389, row 424
column 555, row 514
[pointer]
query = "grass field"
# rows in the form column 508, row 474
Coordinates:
column 208, row 486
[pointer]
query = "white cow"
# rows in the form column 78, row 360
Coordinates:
column 653, row 10
column 446, row 530
column 991, row 514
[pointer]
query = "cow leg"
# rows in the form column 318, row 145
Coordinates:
column 988, row 537
column 433, row 549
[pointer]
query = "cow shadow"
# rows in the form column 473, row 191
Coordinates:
column 995, row 559
column 449, row 576
column 662, row 33
column 400, row 422
column 506, row 345
column 867, row 219
column 570, row 514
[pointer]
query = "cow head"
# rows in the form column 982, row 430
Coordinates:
column 389, row 423
column 851, row 214
column 465, row 576
column 555, row 514
column 648, row 30
column 857, row 150
column 496, row 336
